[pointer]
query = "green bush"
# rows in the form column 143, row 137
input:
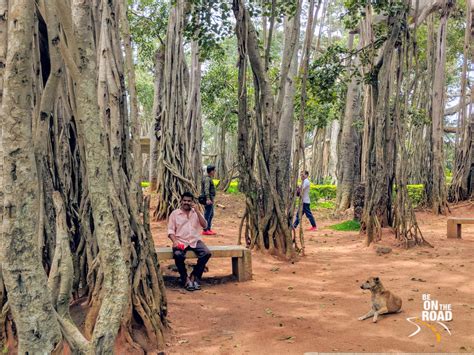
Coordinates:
column 416, row 194
column 327, row 192
column 233, row 187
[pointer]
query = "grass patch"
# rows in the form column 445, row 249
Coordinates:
column 346, row 226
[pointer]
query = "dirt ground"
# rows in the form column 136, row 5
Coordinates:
column 313, row 305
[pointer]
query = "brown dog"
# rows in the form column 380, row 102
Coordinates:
column 383, row 301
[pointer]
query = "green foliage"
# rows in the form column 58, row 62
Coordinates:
column 233, row 187
column 327, row 78
column 219, row 89
column 148, row 22
column 418, row 117
column 145, row 183
column 145, row 91
column 326, row 71
column 346, row 226
column 356, row 10
column 416, row 194
column 210, row 24
column 258, row 8
column 327, row 192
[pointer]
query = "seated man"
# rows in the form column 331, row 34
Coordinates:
column 184, row 226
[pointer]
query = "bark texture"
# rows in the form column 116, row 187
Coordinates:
column 179, row 126
column 95, row 241
column 24, row 277
column 267, row 224
column 436, row 186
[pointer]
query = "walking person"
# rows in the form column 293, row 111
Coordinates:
column 184, row 225
column 304, row 195
column 208, row 190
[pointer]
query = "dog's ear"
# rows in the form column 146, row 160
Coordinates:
column 376, row 279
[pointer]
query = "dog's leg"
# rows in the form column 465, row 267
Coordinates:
column 368, row 315
column 383, row 310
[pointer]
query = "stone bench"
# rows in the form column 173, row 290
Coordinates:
column 454, row 226
column 241, row 258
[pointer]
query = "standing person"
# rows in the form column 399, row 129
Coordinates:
column 183, row 230
column 209, row 191
column 304, row 194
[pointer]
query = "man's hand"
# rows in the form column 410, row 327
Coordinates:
column 178, row 245
column 209, row 202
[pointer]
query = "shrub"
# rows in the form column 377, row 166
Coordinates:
column 416, row 193
column 233, row 187
column 327, row 192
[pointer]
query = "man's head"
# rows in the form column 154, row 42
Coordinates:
column 211, row 170
column 304, row 175
column 187, row 200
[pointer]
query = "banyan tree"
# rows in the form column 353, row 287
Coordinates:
column 76, row 218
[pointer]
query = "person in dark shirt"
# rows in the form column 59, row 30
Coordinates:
column 209, row 191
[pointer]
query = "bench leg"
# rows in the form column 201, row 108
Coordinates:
column 454, row 230
column 242, row 266
column 237, row 268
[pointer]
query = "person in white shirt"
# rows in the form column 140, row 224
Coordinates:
column 304, row 194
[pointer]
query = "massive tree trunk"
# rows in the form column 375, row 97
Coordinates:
column 155, row 129
column 221, row 155
column 176, row 172
column 436, row 189
column 193, row 115
column 460, row 188
column 381, row 149
column 348, row 157
column 333, row 144
column 101, row 225
column 287, row 115
column 405, row 223
column 37, row 328
column 113, row 298
column 3, row 55
column 268, row 224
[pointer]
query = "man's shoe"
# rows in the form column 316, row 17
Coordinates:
column 211, row 232
column 206, row 233
column 313, row 229
column 196, row 285
column 189, row 286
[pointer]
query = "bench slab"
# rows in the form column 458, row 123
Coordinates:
column 224, row 251
column 454, row 226
column 241, row 258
